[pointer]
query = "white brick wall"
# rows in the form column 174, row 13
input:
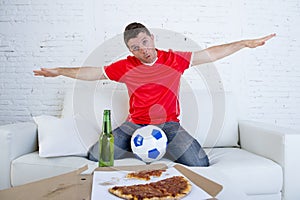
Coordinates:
column 63, row 32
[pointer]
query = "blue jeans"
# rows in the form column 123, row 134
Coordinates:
column 182, row 147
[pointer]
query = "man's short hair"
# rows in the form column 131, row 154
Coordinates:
column 133, row 29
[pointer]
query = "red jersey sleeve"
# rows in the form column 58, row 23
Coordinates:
column 184, row 59
column 116, row 71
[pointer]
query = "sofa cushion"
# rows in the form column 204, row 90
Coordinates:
column 71, row 135
column 253, row 173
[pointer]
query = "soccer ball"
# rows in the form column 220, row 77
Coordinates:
column 149, row 143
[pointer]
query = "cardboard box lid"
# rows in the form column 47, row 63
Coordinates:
column 71, row 185
column 209, row 186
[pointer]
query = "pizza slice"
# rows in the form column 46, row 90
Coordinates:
column 145, row 174
column 175, row 187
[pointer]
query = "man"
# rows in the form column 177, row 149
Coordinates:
column 152, row 78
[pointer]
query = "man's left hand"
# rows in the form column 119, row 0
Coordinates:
column 258, row 42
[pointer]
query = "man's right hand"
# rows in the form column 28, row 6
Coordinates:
column 46, row 72
column 82, row 73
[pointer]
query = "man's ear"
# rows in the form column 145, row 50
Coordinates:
column 152, row 36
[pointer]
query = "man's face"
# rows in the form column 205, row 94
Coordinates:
column 142, row 47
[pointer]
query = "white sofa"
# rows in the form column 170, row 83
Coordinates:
column 254, row 159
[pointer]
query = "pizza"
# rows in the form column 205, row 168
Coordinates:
column 145, row 174
column 175, row 187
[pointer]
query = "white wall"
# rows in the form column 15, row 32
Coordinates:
column 64, row 32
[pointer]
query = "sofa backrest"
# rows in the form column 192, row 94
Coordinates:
column 209, row 117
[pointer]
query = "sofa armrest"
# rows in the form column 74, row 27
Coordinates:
column 15, row 140
column 278, row 144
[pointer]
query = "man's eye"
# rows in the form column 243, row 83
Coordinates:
column 145, row 42
column 136, row 48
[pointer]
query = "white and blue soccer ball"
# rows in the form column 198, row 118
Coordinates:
column 149, row 143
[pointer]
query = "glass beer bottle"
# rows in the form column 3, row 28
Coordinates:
column 106, row 142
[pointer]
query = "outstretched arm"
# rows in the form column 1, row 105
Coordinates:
column 214, row 53
column 81, row 73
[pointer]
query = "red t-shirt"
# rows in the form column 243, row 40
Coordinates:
column 153, row 90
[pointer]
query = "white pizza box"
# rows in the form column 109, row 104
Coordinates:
column 107, row 177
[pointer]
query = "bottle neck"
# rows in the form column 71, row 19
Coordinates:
column 106, row 126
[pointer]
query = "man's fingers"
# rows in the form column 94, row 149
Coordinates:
column 41, row 72
column 44, row 69
column 266, row 38
column 37, row 73
column 46, row 72
column 261, row 41
column 269, row 37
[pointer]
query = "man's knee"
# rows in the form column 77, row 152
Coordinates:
column 199, row 161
